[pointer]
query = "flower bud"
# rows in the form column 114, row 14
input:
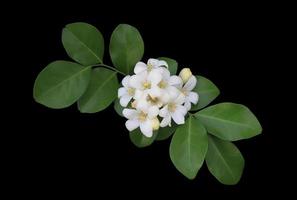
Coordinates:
column 185, row 74
column 155, row 124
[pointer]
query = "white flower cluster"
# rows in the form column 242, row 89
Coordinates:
column 152, row 94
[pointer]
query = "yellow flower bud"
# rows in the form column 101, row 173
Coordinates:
column 155, row 124
column 185, row 74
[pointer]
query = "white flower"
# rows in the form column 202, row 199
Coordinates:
column 126, row 93
column 175, row 110
column 154, row 92
column 145, row 119
column 186, row 90
column 151, row 64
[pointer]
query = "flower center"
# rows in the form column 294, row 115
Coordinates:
column 162, row 84
column 133, row 104
column 146, row 85
column 153, row 100
column 171, row 107
column 184, row 92
column 149, row 67
column 131, row 91
column 142, row 116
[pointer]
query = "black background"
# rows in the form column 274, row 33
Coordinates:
column 64, row 151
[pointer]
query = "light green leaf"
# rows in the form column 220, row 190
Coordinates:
column 101, row 91
column 224, row 161
column 230, row 121
column 166, row 132
column 172, row 64
column 207, row 91
column 188, row 147
column 140, row 140
column 126, row 48
column 60, row 84
column 83, row 43
column 118, row 108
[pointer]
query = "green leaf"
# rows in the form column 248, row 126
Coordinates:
column 207, row 91
column 83, row 43
column 188, row 147
column 118, row 108
column 224, row 161
column 140, row 140
column 165, row 133
column 126, row 48
column 230, row 121
column 61, row 84
column 172, row 64
column 101, row 91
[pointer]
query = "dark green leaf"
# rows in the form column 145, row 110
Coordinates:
column 101, row 91
column 230, row 121
column 83, row 43
column 224, row 161
column 126, row 48
column 166, row 132
column 188, row 147
column 118, row 108
column 207, row 92
column 60, row 84
column 140, row 140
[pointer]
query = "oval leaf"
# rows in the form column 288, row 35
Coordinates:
column 61, row 84
column 83, row 43
column 172, row 64
column 166, row 132
column 140, row 140
column 224, row 161
column 126, row 47
column 118, row 108
column 230, row 121
column 101, row 91
column 207, row 91
column 188, row 147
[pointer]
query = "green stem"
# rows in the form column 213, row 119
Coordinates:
column 109, row 67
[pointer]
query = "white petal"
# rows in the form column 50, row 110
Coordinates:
column 142, row 105
column 146, row 128
column 153, row 62
column 166, row 121
column 165, row 74
column 125, row 99
column 122, row 91
column 125, row 81
column 136, row 81
column 173, row 92
column 155, row 92
column 180, row 99
column 154, row 77
column 140, row 94
column 153, row 112
column 164, row 111
column 140, row 67
column 178, row 117
column 193, row 97
column 190, row 85
column 130, row 113
column 162, row 63
column 182, row 109
column 132, row 124
column 165, row 97
column 176, row 81
column 187, row 104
